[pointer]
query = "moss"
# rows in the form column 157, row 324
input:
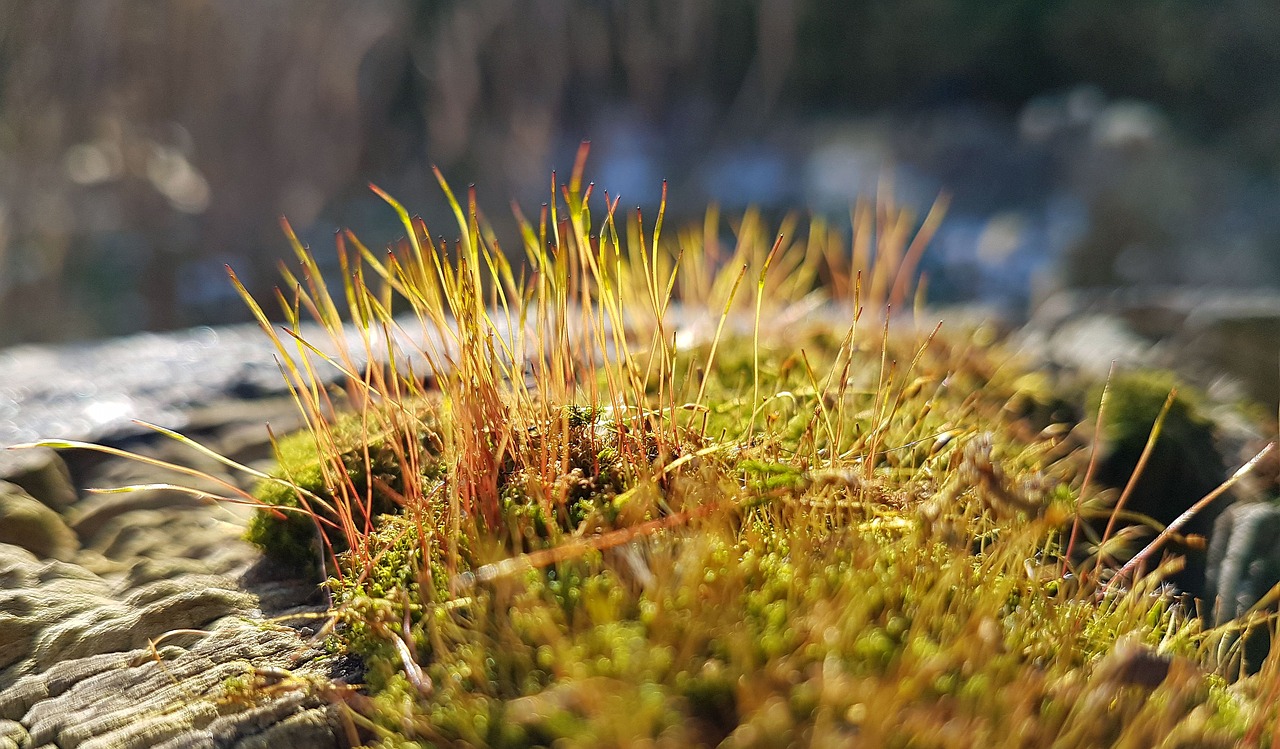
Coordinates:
column 351, row 456
column 850, row 541
column 825, row 603
column 1136, row 399
column 581, row 467
column 290, row 537
column 774, row 620
column 764, row 476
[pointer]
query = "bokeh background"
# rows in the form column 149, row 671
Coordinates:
column 1086, row 143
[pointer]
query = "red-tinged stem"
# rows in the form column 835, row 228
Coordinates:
column 1191, row 512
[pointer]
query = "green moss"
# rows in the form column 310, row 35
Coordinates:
column 880, row 562
column 833, row 608
column 1136, row 399
column 589, row 453
column 290, row 537
column 354, row 457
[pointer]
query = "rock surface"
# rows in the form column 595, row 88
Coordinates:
column 142, row 619
column 1228, row 340
column 1246, row 558
column 28, row 524
column 1244, row 565
column 93, row 391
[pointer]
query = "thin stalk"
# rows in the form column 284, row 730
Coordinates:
column 1088, row 474
column 1147, row 450
column 1208, row 499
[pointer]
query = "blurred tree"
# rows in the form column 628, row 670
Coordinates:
column 168, row 137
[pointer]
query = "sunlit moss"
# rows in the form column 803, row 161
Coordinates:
column 768, row 538
column 1184, row 463
column 350, row 455
column 826, row 606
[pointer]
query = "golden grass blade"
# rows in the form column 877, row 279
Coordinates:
column 404, row 219
column 822, row 408
column 715, row 342
column 1147, row 450
column 56, row 444
column 208, row 496
column 1093, row 463
column 911, row 260
column 328, row 311
column 202, row 449
column 755, row 336
column 158, row 486
column 883, row 425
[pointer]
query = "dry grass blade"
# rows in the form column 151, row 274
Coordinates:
column 1088, row 474
column 156, row 462
column 1137, row 473
column 1143, row 556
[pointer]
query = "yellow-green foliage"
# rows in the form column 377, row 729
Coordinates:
column 290, row 537
column 918, row 604
column 348, row 454
column 819, row 534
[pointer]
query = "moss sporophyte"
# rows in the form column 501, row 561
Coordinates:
column 695, row 491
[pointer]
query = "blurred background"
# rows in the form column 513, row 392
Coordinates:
column 1086, row 143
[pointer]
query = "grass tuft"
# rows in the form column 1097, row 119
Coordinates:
column 636, row 505
column 606, row 499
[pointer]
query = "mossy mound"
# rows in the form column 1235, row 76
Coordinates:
column 872, row 558
column 592, row 457
column 779, row 627
column 584, row 446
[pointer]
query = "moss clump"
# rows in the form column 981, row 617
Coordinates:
column 348, row 456
column 585, row 450
column 569, row 470
column 822, row 605
column 634, row 535
column 1135, row 401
